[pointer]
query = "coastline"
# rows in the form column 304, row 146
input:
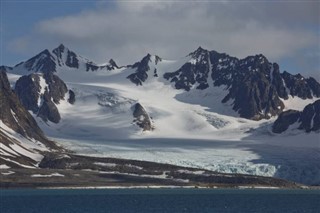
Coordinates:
column 71, row 171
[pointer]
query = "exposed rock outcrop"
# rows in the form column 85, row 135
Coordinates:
column 57, row 59
column 285, row 119
column 16, row 117
column 307, row 120
column 48, row 110
column 300, row 86
column 254, row 85
column 142, row 68
column 28, row 90
column 310, row 117
column 112, row 65
column 72, row 97
column 41, row 92
column 43, row 62
column 196, row 71
column 71, row 59
column 141, row 118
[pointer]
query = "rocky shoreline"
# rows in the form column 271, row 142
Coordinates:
column 75, row 171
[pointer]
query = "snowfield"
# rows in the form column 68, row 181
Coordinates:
column 26, row 147
column 192, row 129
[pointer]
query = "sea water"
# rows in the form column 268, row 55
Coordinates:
column 159, row 200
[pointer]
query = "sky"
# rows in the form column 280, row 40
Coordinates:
column 286, row 31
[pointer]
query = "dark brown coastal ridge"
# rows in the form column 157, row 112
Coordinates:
column 75, row 171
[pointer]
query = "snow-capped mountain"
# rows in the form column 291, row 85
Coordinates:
column 59, row 58
column 253, row 85
column 206, row 110
column 143, row 68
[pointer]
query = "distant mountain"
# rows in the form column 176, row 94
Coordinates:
column 255, row 85
column 255, row 88
column 142, row 69
column 307, row 120
column 59, row 58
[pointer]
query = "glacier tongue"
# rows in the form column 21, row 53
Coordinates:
column 244, row 157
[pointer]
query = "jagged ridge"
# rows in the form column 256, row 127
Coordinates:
column 307, row 120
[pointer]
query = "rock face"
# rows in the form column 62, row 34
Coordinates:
column 70, row 60
column 254, row 95
column 285, row 119
column 41, row 92
column 59, row 58
column 112, row 65
column 307, row 120
column 28, row 90
column 141, row 118
column 16, row 117
column 72, row 97
column 196, row 71
column 142, row 68
column 48, row 110
column 310, row 117
column 254, row 85
column 43, row 62
column 300, row 86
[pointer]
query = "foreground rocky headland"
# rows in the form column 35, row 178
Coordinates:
column 70, row 170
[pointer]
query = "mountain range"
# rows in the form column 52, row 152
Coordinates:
column 204, row 95
column 254, row 85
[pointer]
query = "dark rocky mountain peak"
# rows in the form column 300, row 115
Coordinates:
column 142, row 67
column 198, row 52
column 50, row 61
column 66, row 56
column 61, row 47
column 194, row 72
column 251, row 87
column 40, row 93
column 307, row 120
column 43, row 62
column 112, row 65
column 297, row 85
column 157, row 59
column 144, row 63
column 254, row 85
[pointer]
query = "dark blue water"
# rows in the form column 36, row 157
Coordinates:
column 159, row 200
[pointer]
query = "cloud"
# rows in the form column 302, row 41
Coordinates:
column 20, row 45
column 127, row 30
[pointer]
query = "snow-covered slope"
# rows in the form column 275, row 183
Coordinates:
column 191, row 128
column 17, row 150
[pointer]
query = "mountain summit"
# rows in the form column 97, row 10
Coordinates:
column 255, row 88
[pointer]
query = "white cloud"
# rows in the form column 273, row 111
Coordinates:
column 172, row 29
